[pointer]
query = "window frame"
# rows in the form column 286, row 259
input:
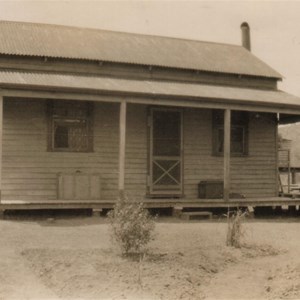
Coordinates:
column 68, row 121
column 239, row 119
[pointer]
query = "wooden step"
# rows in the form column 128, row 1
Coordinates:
column 196, row 214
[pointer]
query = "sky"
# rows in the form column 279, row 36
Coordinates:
column 275, row 25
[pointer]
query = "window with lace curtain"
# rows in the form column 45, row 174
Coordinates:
column 70, row 126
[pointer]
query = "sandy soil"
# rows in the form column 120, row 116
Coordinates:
column 74, row 259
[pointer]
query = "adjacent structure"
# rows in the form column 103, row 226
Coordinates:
column 87, row 115
column 289, row 157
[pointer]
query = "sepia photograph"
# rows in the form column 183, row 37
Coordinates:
column 149, row 150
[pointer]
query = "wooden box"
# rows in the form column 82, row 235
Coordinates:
column 78, row 186
column 210, row 189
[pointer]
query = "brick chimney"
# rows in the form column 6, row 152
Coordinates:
column 246, row 43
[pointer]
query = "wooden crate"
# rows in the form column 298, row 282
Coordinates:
column 78, row 186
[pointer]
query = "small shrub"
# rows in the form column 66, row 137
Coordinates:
column 131, row 226
column 234, row 231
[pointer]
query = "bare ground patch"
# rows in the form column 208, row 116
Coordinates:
column 97, row 273
column 74, row 259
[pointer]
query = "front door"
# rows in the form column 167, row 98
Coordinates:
column 166, row 153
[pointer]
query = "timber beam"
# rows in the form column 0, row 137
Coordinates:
column 146, row 99
column 151, row 203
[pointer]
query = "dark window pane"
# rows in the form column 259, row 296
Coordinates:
column 61, row 137
column 166, row 133
column 78, row 137
column 237, row 117
column 220, row 144
column 70, row 126
column 239, row 136
column 70, row 109
column 237, row 144
column 237, row 140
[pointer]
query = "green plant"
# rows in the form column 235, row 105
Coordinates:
column 234, row 231
column 131, row 225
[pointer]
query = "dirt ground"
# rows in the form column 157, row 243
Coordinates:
column 72, row 258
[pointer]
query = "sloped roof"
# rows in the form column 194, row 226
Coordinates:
column 98, row 84
column 30, row 39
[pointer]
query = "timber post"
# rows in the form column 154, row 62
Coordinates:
column 227, row 134
column 122, row 150
column 289, row 171
column 1, row 142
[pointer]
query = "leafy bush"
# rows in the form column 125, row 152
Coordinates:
column 131, row 226
column 235, row 233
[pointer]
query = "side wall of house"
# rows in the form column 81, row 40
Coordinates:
column 30, row 172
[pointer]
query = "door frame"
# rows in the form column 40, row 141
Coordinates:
column 161, row 193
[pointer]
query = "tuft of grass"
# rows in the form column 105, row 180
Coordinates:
column 234, row 231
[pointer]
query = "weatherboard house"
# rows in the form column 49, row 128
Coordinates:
column 87, row 115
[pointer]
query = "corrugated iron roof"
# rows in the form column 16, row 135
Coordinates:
column 273, row 98
column 30, row 39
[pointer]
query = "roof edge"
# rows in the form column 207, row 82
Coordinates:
column 120, row 32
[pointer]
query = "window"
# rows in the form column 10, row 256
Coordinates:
column 70, row 126
column 239, row 133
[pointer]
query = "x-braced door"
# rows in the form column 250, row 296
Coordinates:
column 165, row 152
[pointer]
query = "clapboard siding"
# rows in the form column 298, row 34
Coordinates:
column 30, row 172
column 136, row 167
column 253, row 175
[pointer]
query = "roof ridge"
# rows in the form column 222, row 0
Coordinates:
column 119, row 32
